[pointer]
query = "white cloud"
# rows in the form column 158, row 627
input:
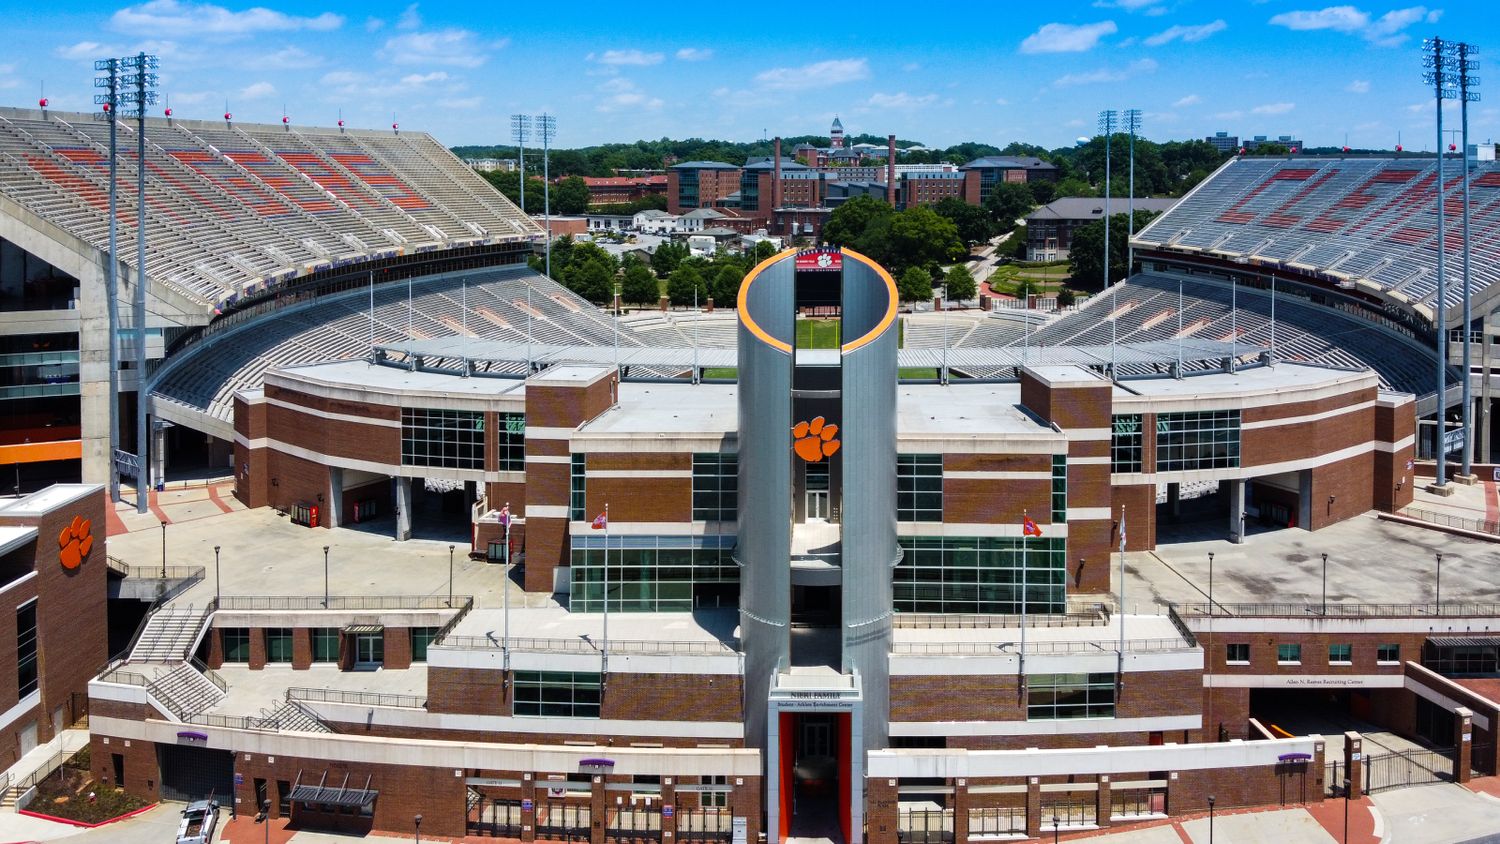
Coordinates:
column 632, row 58
column 622, row 95
column 374, row 24
column 461, row 103
column 1147, row 6
column 911, row 66
column 815, row 75
column 1003, row 101
column 901, row 100
column 1188, row 34
column 453, row 47
column 172, row 17
column 257, row 91
column 349, row 83
column 1273, row 108
column 1135, row 68
column 1387, row 30
column 410, row 18
column 289, row 58
column 694, row 54
column 1358, row 86
column 6, row 80
column 83, row 51
column 1189, row 100
column 1067, row 38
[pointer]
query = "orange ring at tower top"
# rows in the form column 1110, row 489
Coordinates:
column 892, row 298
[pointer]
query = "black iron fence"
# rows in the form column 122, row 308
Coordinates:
column 705, row 826
column 925, row 826
column 1489, row 526
column 1385, row 771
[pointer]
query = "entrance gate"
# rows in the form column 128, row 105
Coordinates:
column 1411, row 767
column 191, row 773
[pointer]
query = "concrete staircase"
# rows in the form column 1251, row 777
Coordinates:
column 185, row 690
column 169, row 635
column 292, row 717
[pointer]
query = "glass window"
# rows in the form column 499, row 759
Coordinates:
column 236, row 643
column 421, row 638
column 576, row 488
column 1059, row 696
column 369, row 649
column 325, row 644
column 1237, row 652
column 557, row 694
column 26, row 670
column 654, row 573
column 919, row 487
column 957, row 574
column 716, row 484
column 1208, row 439
column 1059, row 489
column 1126, row 452
column 278, row 644
column 1288, row 653
column 719, row 797
column 1388, row 653
column 1340, row 653
column 510, row 441
column 449, row 439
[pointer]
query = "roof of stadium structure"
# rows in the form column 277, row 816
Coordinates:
column 234, row 209
column 1092, row 208
column 1365, row 223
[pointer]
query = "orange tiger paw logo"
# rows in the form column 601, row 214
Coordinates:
column 76, row 541
column 815, row 440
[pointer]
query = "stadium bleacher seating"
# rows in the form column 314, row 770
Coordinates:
column 234, row 207
column 1363, row 219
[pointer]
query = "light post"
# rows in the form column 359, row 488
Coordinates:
column 1210, row 584
column 1438, row 589
column 1346, row 811
column 1438, row 57
column 450, row 575
column 264, row 817
column 1210, row 819
column 1325, row 584
column 218, row 580
column 1054, row 829
column 163, row 550
column 417, row 821
column 325, row 577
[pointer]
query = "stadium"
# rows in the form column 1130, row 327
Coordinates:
column 869, row 592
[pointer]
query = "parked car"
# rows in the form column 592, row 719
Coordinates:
column 198, row 822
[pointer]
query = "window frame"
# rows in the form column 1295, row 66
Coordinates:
column 443, row 439
column 916, row 498
column 540, row 694
column 716, row 486
column 319, row 637
column 283, row 637
column 1289, row 653
column 1198, row 440
column 28, row 666
column 232, row 640
column 1347, row 651
column 1229, row 653
column 422, row 639
column 1058, row 693
column 1381, row 652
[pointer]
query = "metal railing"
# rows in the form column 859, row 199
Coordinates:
column 118, row 674
column 212, row 675
column 1074, row 617
column 1489, row 526
column 298, row 693
column 194, row 573
column 924, row 826
column 580, row 645
column 339, row 602
column 1181, row 626
column 1253, row 610
column 999, row 648
column 446, row 629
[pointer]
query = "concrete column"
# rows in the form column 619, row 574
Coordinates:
column 1237, row 511
column 333, row 510
column 1104, row 807
column 598, row 807
column 528, row 807
column 1354, row 763
column 158, row 452
column 1304, row 499
column 961, row 803
column 1033, row 807
column 403, row 509
column 668, row 810
column 1463, row 743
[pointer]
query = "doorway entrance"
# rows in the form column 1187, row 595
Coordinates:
column 815, row 775
column 818, row 485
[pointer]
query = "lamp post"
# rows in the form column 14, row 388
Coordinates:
column 1438, row 57
column 163, row 550
column 1210, row 819
column 264, row 817
column 450, row 575
column 1325, row 584
column 325, row 577
column 1054, row 829
column 1210, row 584
column 417, row 821
column 1438, row 588
column 1346, row 811
column 218, row 580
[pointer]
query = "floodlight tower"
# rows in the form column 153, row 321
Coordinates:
column 108, row 103
column 1441, row 60
column 1108, row 120
column 1467, row 82
column 1132, row 121
column 546, row 126
column 520, row 131
column 139, row 93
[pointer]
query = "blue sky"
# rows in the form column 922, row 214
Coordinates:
column 623, row 71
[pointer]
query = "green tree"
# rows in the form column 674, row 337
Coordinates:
column 1008, row 202
column 763, row 249
column 1015, row 245
column 639, row 286
column 960, row 282
column 853, row 219
column 666, row 258
column 570, row 196
column 684, row 282
column 1073, row 187
column 974, row 223
column 1086, row 252
column 726, row 285
column 592, row 280
column 915, row 237
column 1066, row 298
column 510, row 185
column 1042, row 191
column 915, row 285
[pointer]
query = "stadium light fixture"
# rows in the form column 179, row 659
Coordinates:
column 546, row 127
column 1440, row 58
column 520, row 131
column 1108, row 122
column 137, row 95
column 108, row 101
column 1467, row 82
column 1132, row 124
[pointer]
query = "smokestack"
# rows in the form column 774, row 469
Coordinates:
column 775, row 174
column 890, row 170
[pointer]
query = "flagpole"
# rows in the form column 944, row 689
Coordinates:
column 1021, row 673
column 604, row 653
column 1120, row 672
column 505, row 593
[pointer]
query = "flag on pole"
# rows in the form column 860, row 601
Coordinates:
column 601, row 521
column 1122, row 530
column 1029, row 528
column 505, row 515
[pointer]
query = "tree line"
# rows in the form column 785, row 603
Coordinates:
column 595, row 274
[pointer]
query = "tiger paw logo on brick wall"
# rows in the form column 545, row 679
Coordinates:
column 815, row 440
column 76, row 541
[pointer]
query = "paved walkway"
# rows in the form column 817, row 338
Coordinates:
column 179, row 502
column 69, row 741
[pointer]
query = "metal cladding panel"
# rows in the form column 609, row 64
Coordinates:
column 869, row 496
column 765, row 481
column 867, row 298
column 768, row 302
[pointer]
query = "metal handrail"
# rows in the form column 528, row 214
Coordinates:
column 1006, row 648
column 120, row 675
column 446, row 629
column 212, row 675
column 297, row 693
column 581, row 645
column 956, row 621
column 338, row 602
column 1295, row 610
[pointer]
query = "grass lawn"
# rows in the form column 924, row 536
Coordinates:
column 1046, row 279
column 817, row 334
column 730, row 372
column 929, row 373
